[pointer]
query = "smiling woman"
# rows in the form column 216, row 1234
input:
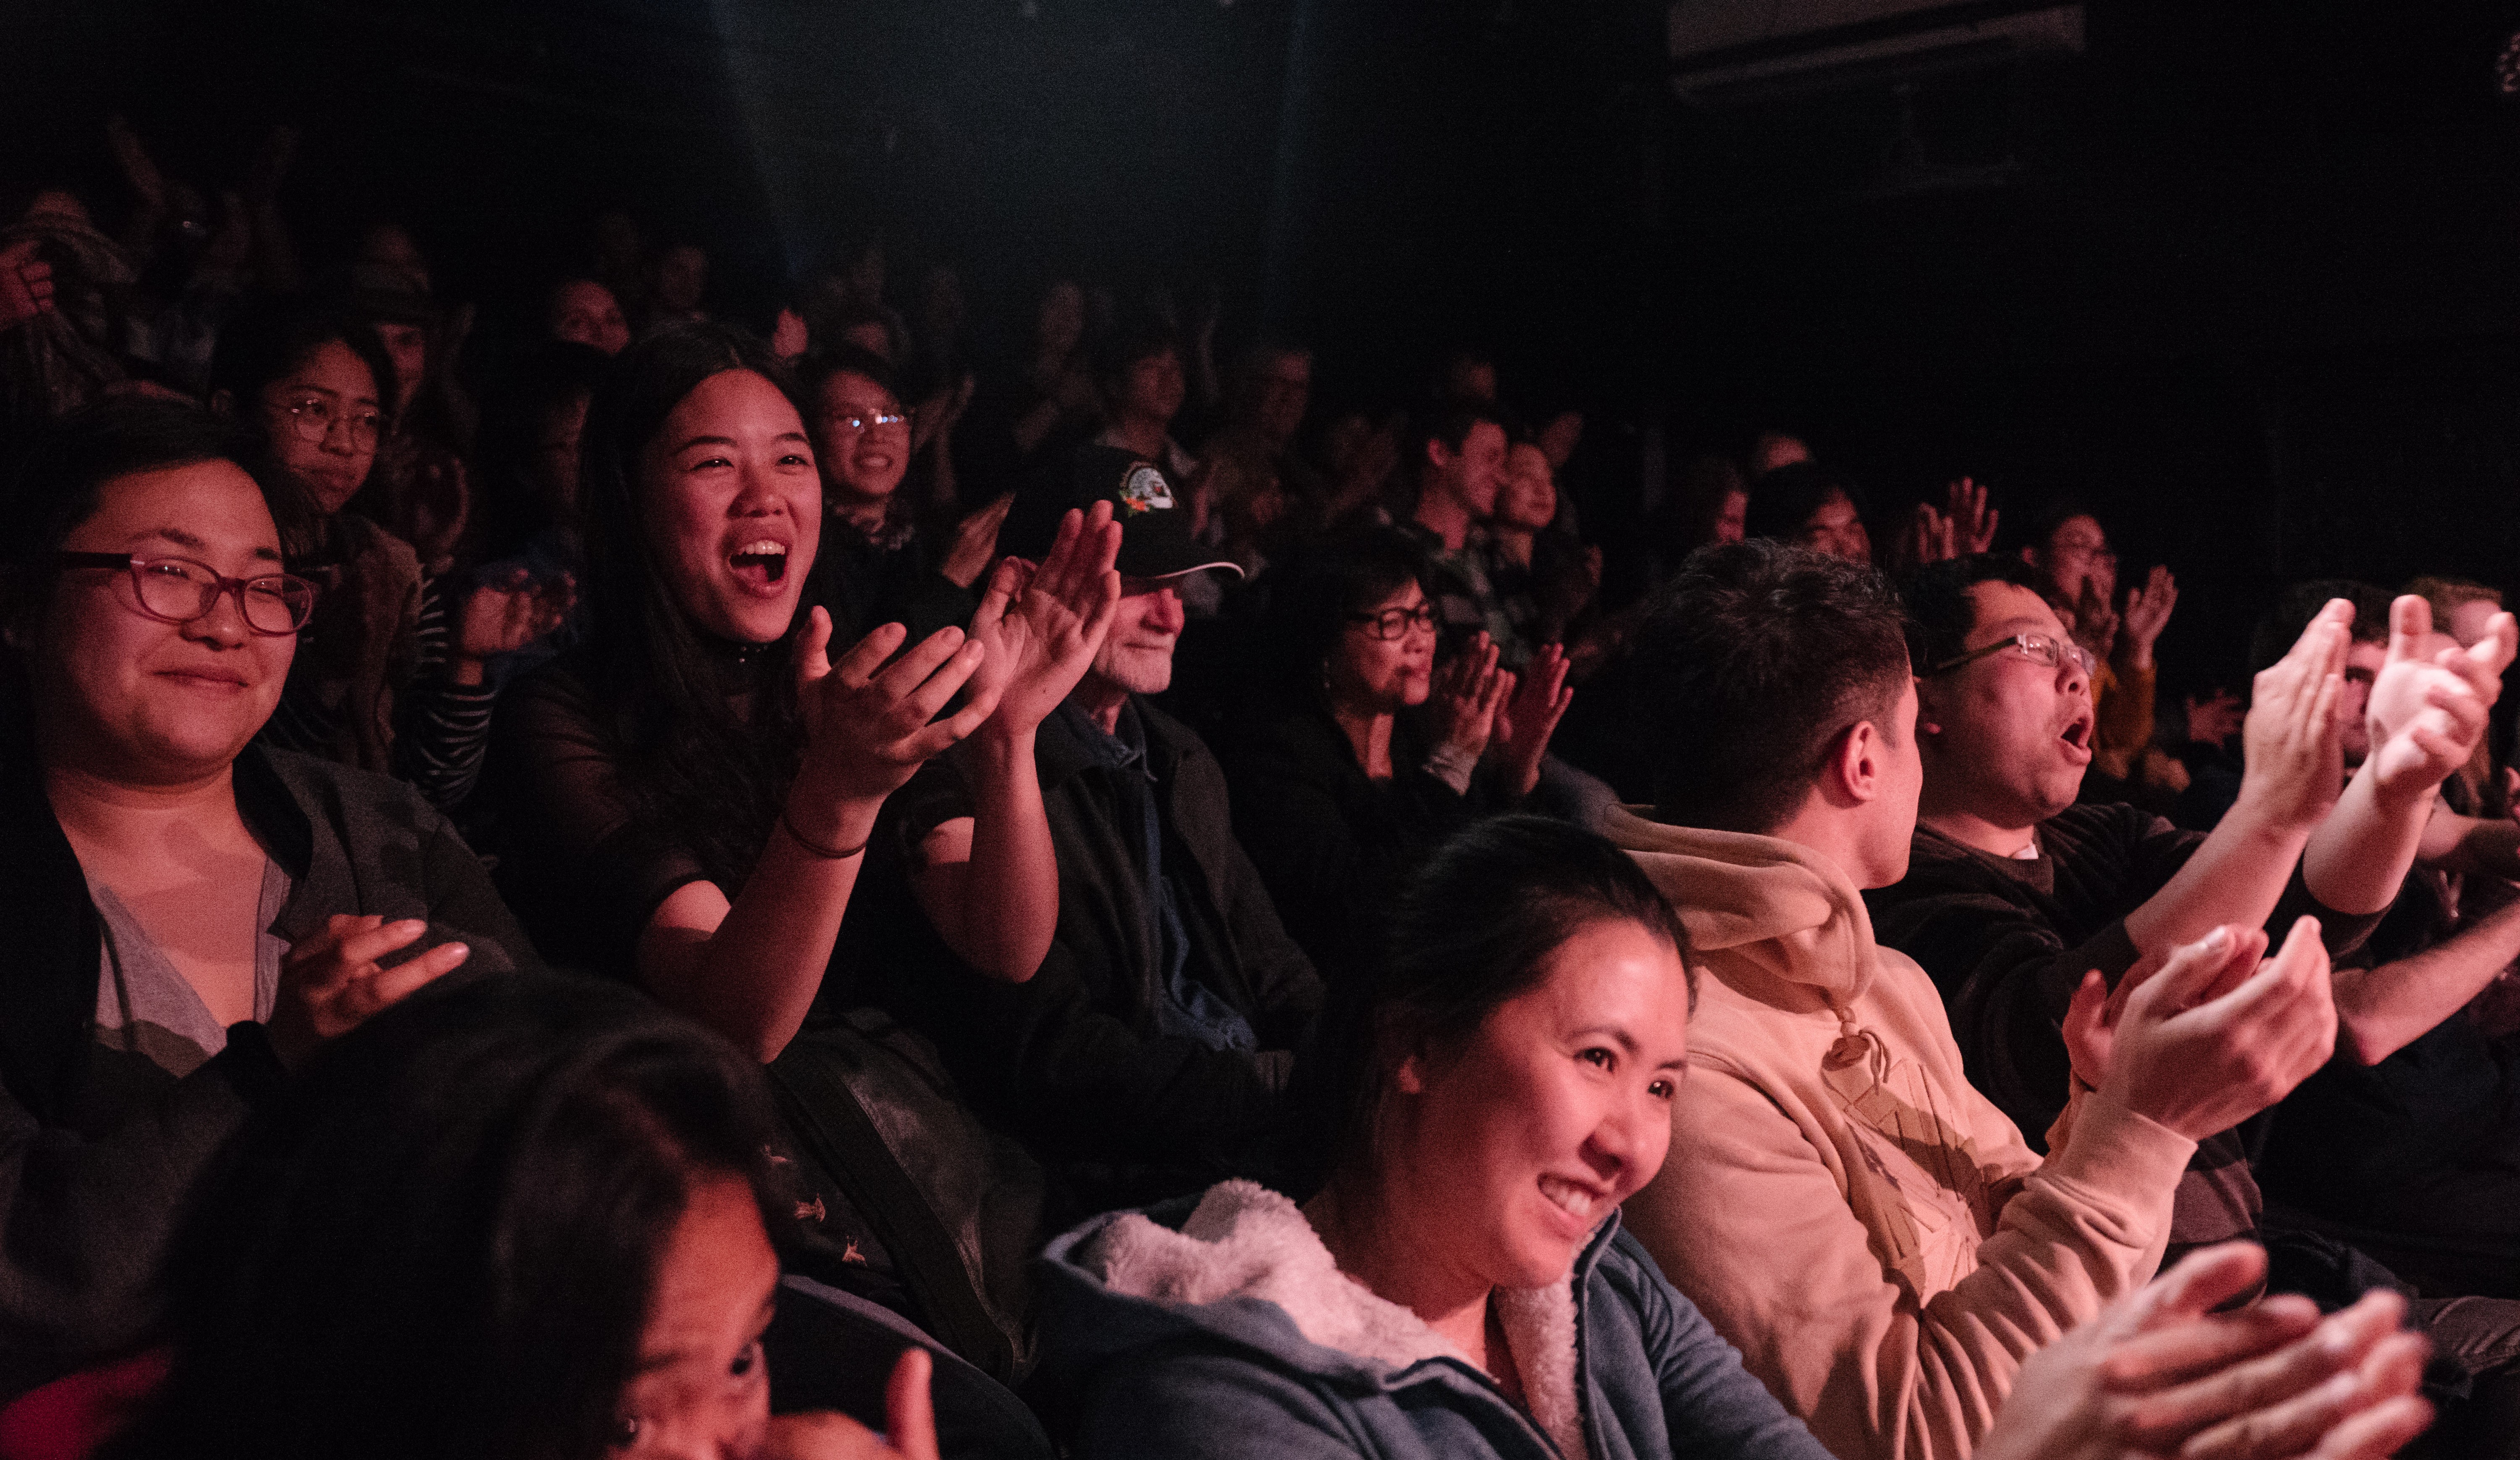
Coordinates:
column 195, row 911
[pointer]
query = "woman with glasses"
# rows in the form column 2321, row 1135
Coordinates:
column 1371, row 759
column 389, row 675
column 191, row 913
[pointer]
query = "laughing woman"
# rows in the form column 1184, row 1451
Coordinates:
column 705, row 775
column 1459, row 1286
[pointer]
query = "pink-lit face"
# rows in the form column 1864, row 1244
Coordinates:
column 1137, row 655
column 1834, row 528
column 1527, row 499
column 333, row 386
column 137, row 700
column 2078, row 558
column 864, row 461
column 1382, row 676
column 1473, row 475
column 734, row 506
column 702, row 1390
column 2016, row 734
column 1153, row 388
column 1555, row 1110
column 585, row 312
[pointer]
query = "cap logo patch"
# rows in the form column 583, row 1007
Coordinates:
column 1144, row 489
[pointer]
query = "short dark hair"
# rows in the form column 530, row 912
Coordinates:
column 441, row 1238
column 842, row 358
column 1346, row 574
column 1756, row 656
column 2281, row 626
column 54, row 485
column 266, row 342
column 1781, row 501
column 1450, row 423
column 1941, row 615
column 1470, row 932
column 1117, row 352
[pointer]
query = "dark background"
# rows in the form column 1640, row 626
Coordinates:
column 2240, row 275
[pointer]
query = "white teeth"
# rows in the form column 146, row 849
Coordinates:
column 762, row 549
column 1566, row 1194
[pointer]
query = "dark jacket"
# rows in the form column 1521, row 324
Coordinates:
column 1333, row 844
column 1076, row 1060
column 91, row 1189
column 1237, row 1377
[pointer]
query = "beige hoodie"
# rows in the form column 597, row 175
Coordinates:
column 1838, row 1201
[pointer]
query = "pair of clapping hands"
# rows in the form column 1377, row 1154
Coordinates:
column 1477, row 704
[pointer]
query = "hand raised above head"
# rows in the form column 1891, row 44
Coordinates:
column 1042, row 626
column 868, row 723
column 2429, row 707
column 1972, row 519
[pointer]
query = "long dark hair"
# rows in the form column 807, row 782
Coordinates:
column 693, row 767
column 442, row 1239
column 1472, row 931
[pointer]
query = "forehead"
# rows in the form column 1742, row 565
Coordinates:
column 848, row 387
column 728, row 399
column 585, row 294
column 1611, row 974
column 2079, row 532
column 1291, row 369
column 334, row 367
column 214, row 501
column 2009, row 609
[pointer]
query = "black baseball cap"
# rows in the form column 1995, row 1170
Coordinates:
column 1155, row 540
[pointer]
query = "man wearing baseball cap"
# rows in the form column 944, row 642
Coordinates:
column 1150, row 1055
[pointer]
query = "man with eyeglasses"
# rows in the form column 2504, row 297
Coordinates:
column 2016, row 894
column 875, row 566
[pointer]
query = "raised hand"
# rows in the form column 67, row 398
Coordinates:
column 867, row 722
column 505, row 617
column 2427, row 712
column 787, row 338
column 2146, row 614
column 2214, row 719
column 975, row 542
column 1042, row 626
column 1465, row 696
column 26, row 284
column 2161, row 1371
column 909, row 1423
column 329, row 983
column 1523, row 723
column 2294, row 756
column 2215, row 1036
column 1928, row 537
column 1973, row 521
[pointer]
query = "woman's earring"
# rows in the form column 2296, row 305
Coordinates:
column 1929, row 727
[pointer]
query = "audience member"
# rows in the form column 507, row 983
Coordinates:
column 2076, row 572
column 525, row 1218
column 195, row 912
column 1150, row 1055
column 1800, row 504
column 1458, row 466
column 584, row 312
column 1341, row 793
column 1841, row 1201
column 1458, row 1284
column 1544, row 578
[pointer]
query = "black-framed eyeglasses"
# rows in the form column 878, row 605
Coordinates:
column 851, row 421
column 2038, row 648
column 1395, row 623
column 311, row 420
column 179, row 590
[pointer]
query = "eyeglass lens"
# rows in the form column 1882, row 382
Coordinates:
column 185, row 591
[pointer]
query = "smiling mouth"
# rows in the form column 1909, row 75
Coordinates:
column 759, row 566
column 1567, row 1197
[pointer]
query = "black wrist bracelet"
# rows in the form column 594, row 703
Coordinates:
column 827, row 854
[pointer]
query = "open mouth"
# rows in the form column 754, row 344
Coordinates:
column 2077, row 735
column 759, row 566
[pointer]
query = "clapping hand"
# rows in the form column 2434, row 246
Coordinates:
column 1042, row 626
column 2146, row 614
column 2427, row 712
column 2214, row 719
column 2095, row 623
column 868, row 723
column 26, row 284
column 332, row 981
column 975, row 542
column 2167, row 1371
column 506, row 616
column 2289, row 745
column 1526, row 720
column 1467, row 692
column 1971, row 521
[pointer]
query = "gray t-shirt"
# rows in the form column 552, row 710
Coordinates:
column 144, row 1006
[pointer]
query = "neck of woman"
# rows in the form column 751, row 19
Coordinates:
column 1396, row 1252
column 100, row 813
column 866, row 514
column 1513, row 544
column 1369, row 733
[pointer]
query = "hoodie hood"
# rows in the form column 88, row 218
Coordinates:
column 1244, row 1266
column 1785, row 910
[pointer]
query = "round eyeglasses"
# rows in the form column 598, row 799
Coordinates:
column 1395, row 623
column 851, row 421
column 311, row 420
column 2038, row 648
column 179, row 590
